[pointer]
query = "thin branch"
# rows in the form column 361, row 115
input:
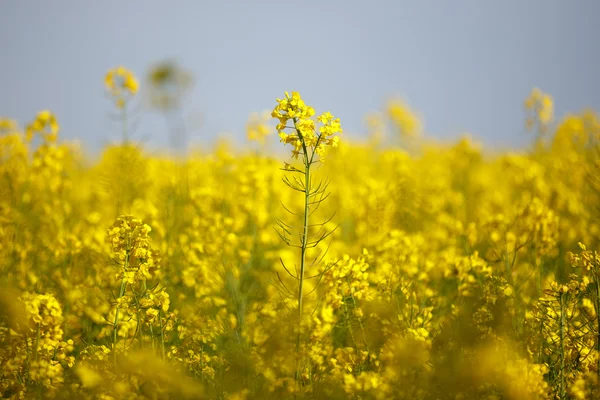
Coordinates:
column 287, row 270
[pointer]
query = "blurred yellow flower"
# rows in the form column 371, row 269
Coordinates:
column 121, row 84
column 407, row 122
column 540, row 108
column 46, row 125
column 257, row 127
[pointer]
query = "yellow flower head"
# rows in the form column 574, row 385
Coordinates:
column 132, row 248
column 257, row 127
column 121, row 84
column 46, row 125
column 295, row 115
column 167, row 84
column 8, row 125
column 404, row 118
column 540, row 107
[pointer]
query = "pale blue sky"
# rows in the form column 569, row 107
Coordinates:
column 465, row 65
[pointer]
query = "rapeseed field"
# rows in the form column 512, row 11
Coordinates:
column 392, row 268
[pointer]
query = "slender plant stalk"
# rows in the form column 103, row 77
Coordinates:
column 162, row 337
column 145, row 287
column 349, row 325
column 116, row 322
column 125, row 129
column 121, row 293
column 362, row 328
column 310, row 145
column 37, row 343
column 562, row 394
column 597, row 321
column 202, row 363
column 139, row 329
column 28, row 362
column 304, row 244
column 303, row 249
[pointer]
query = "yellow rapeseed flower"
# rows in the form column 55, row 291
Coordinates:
column 45, row 125
column 257, row 127
column 404, row 118
column 296, row 116
column 121, row 84
column 540, row 107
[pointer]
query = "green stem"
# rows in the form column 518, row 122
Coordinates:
column 125, row 130
column 28, row 361
column 303, row 260
column 597, row 322
column 162, row 337
column 145, row 288
column 304, row 244
column 121, row 293
column 349, row 325
column 116, row 322
column 563, row 394
column 201, row 363
column 362, row 328
column 37, row 343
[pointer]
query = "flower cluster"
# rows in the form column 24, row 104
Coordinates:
column 132, row 248
column 587, row 260
column 45, row 125
column 540, row 108
column 33, row 351
column 257, row 128
column 121, row 84
column 7, row 125
column 304, row 136
column 404, row 119
column 167, row 83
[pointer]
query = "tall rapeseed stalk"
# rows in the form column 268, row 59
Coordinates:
column 297, row 128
